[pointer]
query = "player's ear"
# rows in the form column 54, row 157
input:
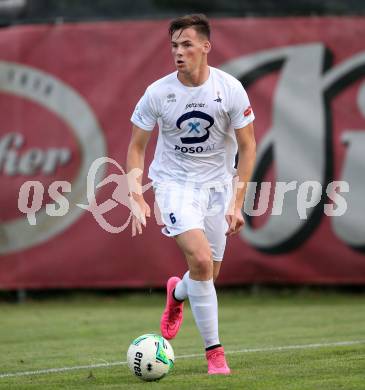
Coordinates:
column 206, row 47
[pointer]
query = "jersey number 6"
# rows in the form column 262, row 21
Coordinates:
column 172, row 217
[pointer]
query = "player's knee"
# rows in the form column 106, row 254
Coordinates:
column 202, row 265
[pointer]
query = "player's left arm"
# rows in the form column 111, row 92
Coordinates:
column 246, row 161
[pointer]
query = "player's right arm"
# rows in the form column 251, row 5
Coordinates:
column 135, row 159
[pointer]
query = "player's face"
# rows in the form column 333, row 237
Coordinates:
column 189, row 50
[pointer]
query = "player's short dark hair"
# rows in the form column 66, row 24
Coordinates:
column 199, row 22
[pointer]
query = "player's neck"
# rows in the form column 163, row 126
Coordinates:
column 194, row 79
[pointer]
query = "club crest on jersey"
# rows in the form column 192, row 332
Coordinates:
column 219, row 99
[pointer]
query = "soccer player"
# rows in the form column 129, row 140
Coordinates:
column 204, row 117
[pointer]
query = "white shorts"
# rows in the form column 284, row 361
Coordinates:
column 184, row 208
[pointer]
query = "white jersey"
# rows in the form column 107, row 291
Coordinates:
column 196, row 141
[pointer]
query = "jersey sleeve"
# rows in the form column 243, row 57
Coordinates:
column 241, row 112
column 145, row 114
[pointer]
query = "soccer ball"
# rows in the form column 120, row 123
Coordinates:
column 150, row 357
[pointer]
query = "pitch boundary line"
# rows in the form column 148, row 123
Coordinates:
column 194, row 355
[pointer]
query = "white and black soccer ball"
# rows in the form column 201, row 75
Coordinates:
column 150, row 357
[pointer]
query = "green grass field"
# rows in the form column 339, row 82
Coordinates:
column 275, row 340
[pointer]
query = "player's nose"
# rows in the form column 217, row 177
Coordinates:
column 179, row 51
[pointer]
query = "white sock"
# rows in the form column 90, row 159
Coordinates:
column 181, row 289
column 204, row 305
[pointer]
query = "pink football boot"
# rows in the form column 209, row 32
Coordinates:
column 217, row 362
column 172, row 316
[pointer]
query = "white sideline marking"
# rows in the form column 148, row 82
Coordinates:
column 194, row 355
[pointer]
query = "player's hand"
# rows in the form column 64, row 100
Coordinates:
column 140, row 210
column 235, row 222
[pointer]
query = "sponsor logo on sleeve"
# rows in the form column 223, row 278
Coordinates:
column 248, row 111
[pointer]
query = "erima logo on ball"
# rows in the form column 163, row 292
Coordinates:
column 137, row 363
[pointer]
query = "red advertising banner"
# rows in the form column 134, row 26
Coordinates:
column 66, row 95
